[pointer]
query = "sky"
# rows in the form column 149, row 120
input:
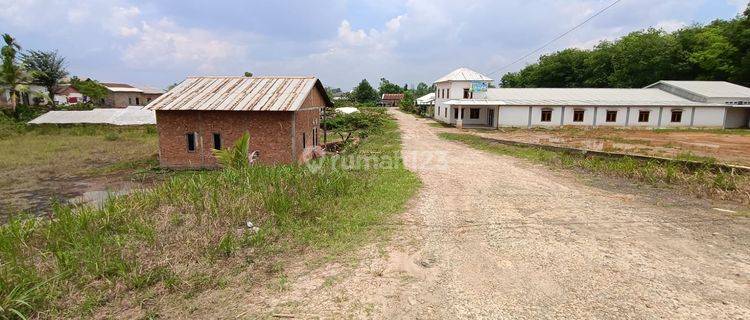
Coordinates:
column 156, row 43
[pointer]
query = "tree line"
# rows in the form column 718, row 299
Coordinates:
column 43, row 68
column 719, row 50
column 366, row 94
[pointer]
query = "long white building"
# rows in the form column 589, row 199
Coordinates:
column 463, row 99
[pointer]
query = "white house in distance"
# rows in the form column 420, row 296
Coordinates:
column 463, row 99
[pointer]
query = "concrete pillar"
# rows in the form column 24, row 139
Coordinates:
column 460, row 120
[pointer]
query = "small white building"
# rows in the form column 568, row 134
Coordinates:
column 463, row 99
column 426, row 104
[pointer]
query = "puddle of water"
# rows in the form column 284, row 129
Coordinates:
column 97, row 197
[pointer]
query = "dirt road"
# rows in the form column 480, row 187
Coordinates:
column 497, row 237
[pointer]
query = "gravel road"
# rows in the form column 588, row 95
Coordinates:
column 490, row 236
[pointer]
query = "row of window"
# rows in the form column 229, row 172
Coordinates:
column 137, row 101
column 192, row 138
column 546, row 116
column 473, row 113
column 643, row 115
column 446, row 93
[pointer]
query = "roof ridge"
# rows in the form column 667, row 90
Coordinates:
column 260, row 77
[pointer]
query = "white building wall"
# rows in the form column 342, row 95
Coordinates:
column 511, row 116
column 709, row 117
column 601, row 116
column 536, row 116
column 588, row 116
column 666, row 117
column 653, row 118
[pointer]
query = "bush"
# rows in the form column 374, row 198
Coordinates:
column 361, row 123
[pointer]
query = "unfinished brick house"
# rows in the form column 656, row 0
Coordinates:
column 282, row 115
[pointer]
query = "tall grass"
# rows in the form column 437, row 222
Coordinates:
column 700, row 180
column 184, row 232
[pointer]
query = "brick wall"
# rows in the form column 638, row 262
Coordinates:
column 307, row 122
column 270, row 133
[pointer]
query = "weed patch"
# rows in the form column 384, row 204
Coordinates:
column 700, row 180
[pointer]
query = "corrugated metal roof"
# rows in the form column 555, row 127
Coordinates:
column 392, row 96
column 710, row 89
column 120, row 87
column 133, row 115
column 463, row 74
column 426, row 99
column 238, row 94
column 588, row 96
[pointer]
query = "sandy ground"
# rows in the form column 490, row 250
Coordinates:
column 497, row 237
column 728, row 147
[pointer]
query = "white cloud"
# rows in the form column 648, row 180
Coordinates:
column 740, row 4
column 164, row 44
column 670, row 25
column 122, row 20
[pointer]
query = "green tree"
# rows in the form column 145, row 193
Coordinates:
column 599, row 66
column 47, row 69
column 421, row 89
column 719, row 50
column 364, row 93
column 89, row 88
column 248, row 74
column 11, row 74
column 388, row 87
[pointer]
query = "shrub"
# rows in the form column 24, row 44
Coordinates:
column 237, row 156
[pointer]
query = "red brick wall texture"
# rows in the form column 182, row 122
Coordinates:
column 277, row 135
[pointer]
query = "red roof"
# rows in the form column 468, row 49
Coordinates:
column 393, row 96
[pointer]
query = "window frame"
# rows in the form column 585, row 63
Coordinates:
column 608, row 113
column 471, row 113
column 191, row 139
column 466, row 93
column 579, row 115
column 641, row 118
column 546, row 112
column 216, row 137
column 678, row 113
column 304, row 140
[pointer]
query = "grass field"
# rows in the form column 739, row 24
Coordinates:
column 189, row 234
column 701, row 181
column 43, row 164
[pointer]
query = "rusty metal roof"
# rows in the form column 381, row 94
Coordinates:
column 239, row 94
column 392, row 96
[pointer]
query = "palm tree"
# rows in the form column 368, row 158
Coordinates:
column 10, row 74
column 47, row 69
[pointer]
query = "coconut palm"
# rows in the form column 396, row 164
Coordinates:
column 10, row 74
